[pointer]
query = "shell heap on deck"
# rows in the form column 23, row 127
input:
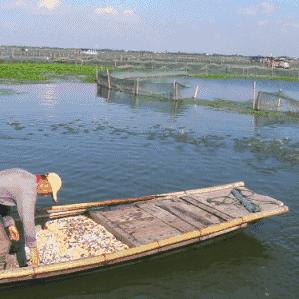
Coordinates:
column 73, row 238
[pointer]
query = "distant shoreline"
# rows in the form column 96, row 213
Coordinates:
column 28, row 72
column 260, row 77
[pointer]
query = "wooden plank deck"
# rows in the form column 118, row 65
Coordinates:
column 139, row 223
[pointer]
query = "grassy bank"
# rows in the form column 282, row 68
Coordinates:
column 39, row 72
column 248, row 77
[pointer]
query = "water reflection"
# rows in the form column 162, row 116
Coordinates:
column 171, row 107
column 48, row 95
column 238, row 89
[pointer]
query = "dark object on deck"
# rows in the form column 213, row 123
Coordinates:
column 249, row 205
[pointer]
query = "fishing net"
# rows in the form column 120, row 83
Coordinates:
column 267, row 101
column 141, row 84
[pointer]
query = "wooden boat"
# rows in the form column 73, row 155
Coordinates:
column 154, row 224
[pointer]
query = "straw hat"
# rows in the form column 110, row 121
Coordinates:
column 55, row 183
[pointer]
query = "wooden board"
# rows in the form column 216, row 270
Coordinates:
column 142, row 223
column 134, row 226
column 188, row 212
column 121, row 235
column 149, row 230
column 123, row 214
column 166, row 217
column 205, row 207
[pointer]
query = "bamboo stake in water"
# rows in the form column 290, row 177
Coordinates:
column 196, row 92
column 174, row 90
column 137, row 86
column 254, row 96
column 109, row 79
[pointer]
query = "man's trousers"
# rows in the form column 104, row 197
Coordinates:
column 4, row 245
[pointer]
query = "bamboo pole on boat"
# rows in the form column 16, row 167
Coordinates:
column 69, row 207
column 87, row 205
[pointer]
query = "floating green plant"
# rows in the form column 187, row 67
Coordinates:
column 45, row 71
column 246, row 108
column 6, row 91
column 281, row 149
column 16, row 125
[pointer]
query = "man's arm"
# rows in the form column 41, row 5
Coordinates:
column 26, row 210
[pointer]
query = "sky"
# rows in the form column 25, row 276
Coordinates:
column 246, row 27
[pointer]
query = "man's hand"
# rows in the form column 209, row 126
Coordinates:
column 34, row 257
column 13, row 233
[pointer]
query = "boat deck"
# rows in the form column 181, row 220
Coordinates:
column 158, row 219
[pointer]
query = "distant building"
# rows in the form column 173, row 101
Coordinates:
column 273, row 62
column 258, row 59
column 276, row 62
column 88, row 52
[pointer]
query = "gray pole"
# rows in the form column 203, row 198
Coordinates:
column 254, row 96
column 109, row 79
column 196, row 92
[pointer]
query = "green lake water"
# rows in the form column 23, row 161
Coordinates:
column 125, row 147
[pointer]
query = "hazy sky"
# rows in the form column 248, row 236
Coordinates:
column 214, row 26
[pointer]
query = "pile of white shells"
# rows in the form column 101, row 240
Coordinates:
column 73, row 238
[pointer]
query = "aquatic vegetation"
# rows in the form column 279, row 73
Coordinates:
column 182, row 135
column 45, row 71
column 6, row 91
column 243, row 107
column 281, row 149
column 69, row 127
column 246, row 108
column 6, row 137
column 16, row 125
column 156, row 132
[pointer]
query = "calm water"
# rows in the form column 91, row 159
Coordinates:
column 130, row 147
column 236, row 89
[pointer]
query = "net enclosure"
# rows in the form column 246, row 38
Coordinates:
column 147, row 84
column 267, row 101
